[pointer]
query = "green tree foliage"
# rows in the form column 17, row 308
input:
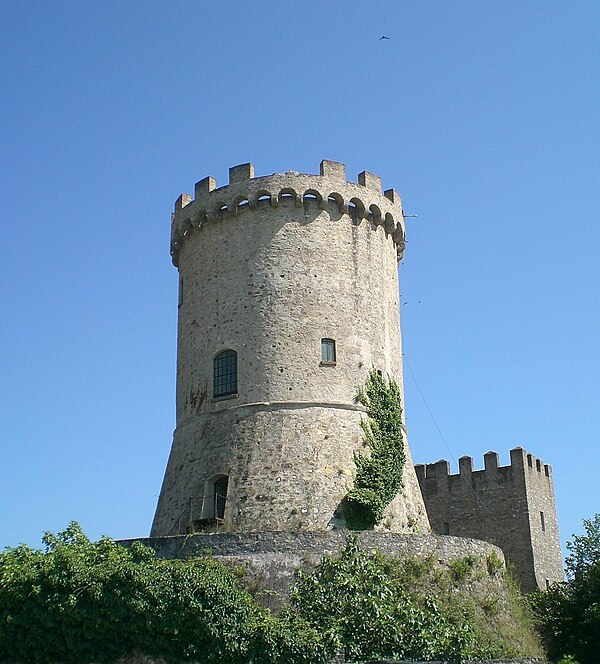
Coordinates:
column 381, row 607
column 379, row 473
column 569, row 613
column 80, row 601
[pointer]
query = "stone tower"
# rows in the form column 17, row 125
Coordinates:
column 510, row 506
column 288, row 296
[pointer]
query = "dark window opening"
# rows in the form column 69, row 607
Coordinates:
column 529, row 461
column 328, row 351
column 220, row 497
column 225, row 374
column 543, row 522
column 180, row 296
column 446, row 528
column 353, row 212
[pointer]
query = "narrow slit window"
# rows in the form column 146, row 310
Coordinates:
column 225, row 374
column 328, row 351
column 543, row 522
column 180, row 295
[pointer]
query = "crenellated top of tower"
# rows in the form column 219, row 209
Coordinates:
column 329, row 190
column 520, row 459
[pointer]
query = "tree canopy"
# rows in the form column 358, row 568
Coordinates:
column 77, row 601
column 569, row 613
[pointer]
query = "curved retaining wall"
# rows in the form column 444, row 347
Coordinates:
column 271, row 558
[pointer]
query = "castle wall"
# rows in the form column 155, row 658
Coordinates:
column 269, row 267
column 501, row 505
column 272, row 558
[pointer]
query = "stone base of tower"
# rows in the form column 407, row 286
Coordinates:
column 289, row 467
column 271, row 558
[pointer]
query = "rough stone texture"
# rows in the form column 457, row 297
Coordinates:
column 268, row 267
column 502, row 505
column 271, row 558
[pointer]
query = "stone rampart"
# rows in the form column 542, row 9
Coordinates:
column 511, row 506
column 271, row 558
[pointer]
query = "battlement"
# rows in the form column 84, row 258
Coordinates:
column 520, row 459
column 512, row 506
column 329, row 191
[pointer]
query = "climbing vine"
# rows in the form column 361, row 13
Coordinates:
column 378, row 474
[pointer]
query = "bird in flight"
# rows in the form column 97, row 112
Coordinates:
column 384, row 37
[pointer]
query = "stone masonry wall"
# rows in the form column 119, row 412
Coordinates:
column 502, row 505
column 268, row 267
column 271, row 558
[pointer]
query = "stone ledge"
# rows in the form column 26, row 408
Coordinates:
column 313, row 544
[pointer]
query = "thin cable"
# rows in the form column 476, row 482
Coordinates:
column 477, row 496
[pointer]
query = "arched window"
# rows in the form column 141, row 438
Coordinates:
column 328, row 351
column 225, row 374
column 220, row 496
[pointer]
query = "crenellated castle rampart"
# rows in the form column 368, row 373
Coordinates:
column 328, row 191
column 440, row 470
column 511, row 506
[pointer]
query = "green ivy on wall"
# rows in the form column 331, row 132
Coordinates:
column 378, row 474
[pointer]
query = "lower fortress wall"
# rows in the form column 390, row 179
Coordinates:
column 271, row 558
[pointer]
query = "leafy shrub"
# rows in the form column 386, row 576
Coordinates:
column 382, row 607
column 461, row 568
column 494, row 563
column 569, row 613
column 379, row 473
column 79, row 601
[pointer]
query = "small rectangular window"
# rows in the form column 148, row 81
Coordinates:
column 328, row 351
column 180, row 297
column 446, row 528
column 543, row 522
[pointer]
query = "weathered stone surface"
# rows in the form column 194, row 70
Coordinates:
column 271, row 558
column 268, row 267
column 503, row 505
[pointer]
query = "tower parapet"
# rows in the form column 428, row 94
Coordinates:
column 288, row 297
column 328, row 191
column 511, row 506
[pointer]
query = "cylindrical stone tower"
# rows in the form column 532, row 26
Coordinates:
column 288, row 296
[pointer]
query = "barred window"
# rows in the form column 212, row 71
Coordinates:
column 328, row 351
column 225, row 374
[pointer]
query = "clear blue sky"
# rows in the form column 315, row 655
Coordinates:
column 485, row 116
